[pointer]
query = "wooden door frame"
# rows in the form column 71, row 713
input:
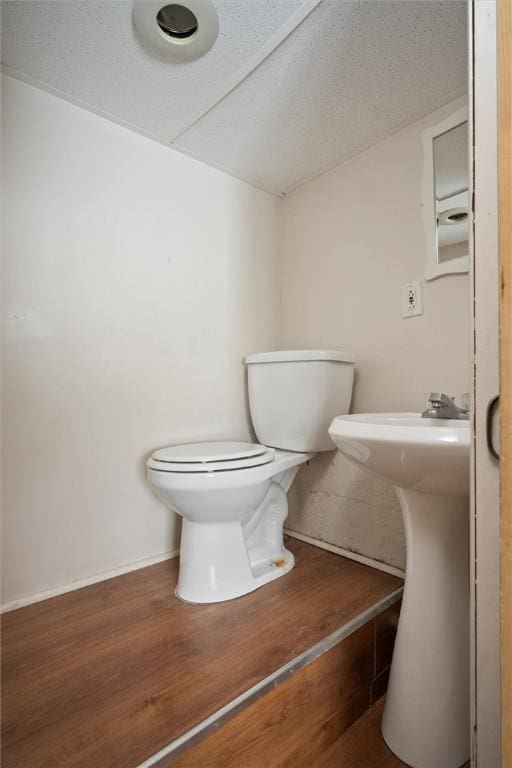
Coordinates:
column 505, row 261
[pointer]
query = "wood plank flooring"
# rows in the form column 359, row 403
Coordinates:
column 299, row 719
column 107, row 675
column 296, row 721
column 362, row 745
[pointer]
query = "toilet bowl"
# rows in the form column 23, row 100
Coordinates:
column 232, row 496
column 233, row 511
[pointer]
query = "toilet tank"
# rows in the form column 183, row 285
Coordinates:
column 294, row 395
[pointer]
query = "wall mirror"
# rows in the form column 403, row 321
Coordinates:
column 446, row 196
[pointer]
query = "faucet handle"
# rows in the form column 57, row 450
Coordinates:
column 463, row 402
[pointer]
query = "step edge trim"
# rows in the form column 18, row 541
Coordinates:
column 176, row 747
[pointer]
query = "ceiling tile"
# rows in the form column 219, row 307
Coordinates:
column 348, row 76
column 88, row 50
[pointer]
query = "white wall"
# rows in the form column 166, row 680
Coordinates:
column 352, row 237
column 137, row 279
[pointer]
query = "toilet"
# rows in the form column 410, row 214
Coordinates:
column 231, row 495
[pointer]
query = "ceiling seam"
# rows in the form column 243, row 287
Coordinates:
column 34, row 82
column 253, row 63
column 81, row 104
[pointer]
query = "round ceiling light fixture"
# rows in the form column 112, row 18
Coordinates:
column 179, row 31
column 177, row 21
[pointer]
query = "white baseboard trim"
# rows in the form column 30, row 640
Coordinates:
column 347, row 553
column 21, row 602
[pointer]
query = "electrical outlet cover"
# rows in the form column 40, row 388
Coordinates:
column 412, row 303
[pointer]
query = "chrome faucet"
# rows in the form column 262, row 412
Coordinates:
column 440, row 406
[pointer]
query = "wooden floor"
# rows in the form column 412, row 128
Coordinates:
column 105, row 676
column 362, row 746
column 297, row 721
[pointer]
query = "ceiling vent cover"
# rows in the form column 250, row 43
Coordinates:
column 178, row 31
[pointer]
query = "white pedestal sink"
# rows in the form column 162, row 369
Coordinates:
column 426, row 719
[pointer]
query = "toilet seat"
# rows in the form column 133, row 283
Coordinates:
column 210, row 457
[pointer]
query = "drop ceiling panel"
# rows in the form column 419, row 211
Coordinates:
column 349, row 75
column 346, row 77
column 88, row 50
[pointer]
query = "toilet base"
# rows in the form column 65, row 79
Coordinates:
column 216, row 564
column 223, row 560
column 263, row 574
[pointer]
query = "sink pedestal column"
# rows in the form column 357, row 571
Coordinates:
column 426, row 719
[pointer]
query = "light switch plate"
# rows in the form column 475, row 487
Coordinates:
column 412, row 303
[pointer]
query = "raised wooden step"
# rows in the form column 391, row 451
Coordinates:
column 361, row 746
column 297, row 720
column 109, row 675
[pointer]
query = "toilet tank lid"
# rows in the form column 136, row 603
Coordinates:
column 300, row 355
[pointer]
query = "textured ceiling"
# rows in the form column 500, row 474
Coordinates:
column 89, row 51
column 346, row 77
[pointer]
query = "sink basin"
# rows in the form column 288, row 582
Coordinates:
column 428, row 455
column 426, row 717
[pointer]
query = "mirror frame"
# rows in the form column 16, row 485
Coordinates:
column 434, row 269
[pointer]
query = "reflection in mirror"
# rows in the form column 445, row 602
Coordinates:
column 451, row 184
column 445, row 199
